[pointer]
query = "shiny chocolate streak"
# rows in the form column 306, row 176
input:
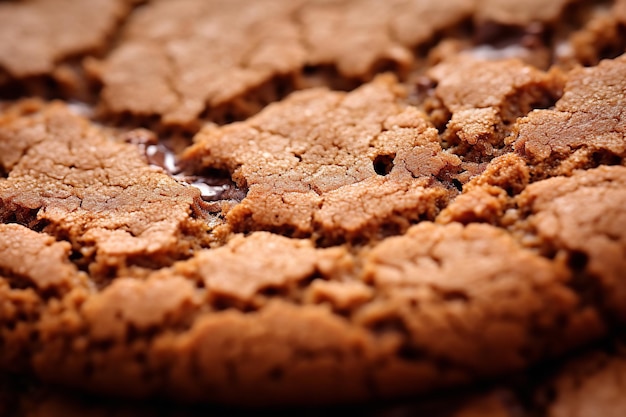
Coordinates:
column 212, row 186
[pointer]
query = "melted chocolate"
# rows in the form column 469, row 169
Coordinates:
column 213, row 185
column 216, row 188
column 159, row 155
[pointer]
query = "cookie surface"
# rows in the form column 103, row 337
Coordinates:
column 306, row 161
column 228, row 322
column 44, row 41
column 369, row 237
column 198, row 62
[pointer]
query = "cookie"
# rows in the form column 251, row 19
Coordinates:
column 456, row 223
column 144, row 307
column 200, row 64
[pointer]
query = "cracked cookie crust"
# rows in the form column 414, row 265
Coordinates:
column 213, row 57
column 333, row 165
column 67, row 178
column 368, row 237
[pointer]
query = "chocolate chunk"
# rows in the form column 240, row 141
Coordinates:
column 458, row 223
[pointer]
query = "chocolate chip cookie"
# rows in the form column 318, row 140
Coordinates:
column 311, row 203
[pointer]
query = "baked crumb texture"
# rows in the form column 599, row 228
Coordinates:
column 181, row 62
column 367, row 237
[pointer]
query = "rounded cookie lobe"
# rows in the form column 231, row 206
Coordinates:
column 462, row 294
column 67, row 177
column 34, row 260
column 226, row 279
column 583, row 216
column 333, row 165
column 130, row 305
column 587, row 127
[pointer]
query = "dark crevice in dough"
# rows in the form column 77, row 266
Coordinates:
column 383, row 164
column 10, row 213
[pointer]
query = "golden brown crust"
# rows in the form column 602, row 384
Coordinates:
column 585, row 129
column 211, row 55
column 37, row 36
column 70, row 179
column 333, row 165
column 368, row 239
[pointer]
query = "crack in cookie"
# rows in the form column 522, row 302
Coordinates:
column 68, row 178
column 212, row 55
column 310, row 164
column 586, row 128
